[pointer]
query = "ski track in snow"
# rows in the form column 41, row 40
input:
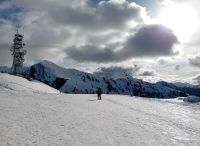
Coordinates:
column 10, row 84
column 28, row 119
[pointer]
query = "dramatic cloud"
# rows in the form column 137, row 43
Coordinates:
column 147, row 73
column 56, row 25
column 152, row 40
column 85, row 33
column 92, row 53
column 194, row 60
column 148, row 41
column 113, row 69
column 107, row 15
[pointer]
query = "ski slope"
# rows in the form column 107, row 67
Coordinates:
column 43, row 119
column 23, row 85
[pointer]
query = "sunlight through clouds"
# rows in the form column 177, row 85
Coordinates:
column 181, row 19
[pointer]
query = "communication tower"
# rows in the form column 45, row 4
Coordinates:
column 18, row 53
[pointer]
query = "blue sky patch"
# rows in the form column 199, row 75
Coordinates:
column 11, row 14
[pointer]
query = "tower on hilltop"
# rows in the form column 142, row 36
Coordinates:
column 18, row 53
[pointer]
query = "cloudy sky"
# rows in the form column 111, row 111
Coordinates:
column 150, row 39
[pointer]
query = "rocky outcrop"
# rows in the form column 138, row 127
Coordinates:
column 59, row 82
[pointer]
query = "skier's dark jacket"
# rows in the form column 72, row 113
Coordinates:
column 99, row 91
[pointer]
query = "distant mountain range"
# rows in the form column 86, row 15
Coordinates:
column 4, row 69
column 79, row 82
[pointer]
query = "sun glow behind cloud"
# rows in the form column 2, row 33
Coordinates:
column 181, row 19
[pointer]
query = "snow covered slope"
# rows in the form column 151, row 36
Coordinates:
column 74, row 81
column 21, row 84
column 82, row 120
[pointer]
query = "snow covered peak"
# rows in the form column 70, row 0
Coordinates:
column 48, row 64
column 53, row 70
column 49, row 71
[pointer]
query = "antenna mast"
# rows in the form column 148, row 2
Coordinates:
column 18, row 54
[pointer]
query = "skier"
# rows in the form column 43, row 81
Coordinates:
column 99, row 92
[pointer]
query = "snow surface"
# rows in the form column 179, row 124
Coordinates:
column 23, row 85
column 43, row 119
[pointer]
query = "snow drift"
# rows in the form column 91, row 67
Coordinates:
column 21, row 84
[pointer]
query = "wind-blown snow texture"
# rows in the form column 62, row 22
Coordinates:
column 74, row 81
column 81, row 120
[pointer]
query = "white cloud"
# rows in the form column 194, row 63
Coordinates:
column 54, row 26
column 194, row 60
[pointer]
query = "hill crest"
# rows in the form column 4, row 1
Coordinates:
column 75, row 81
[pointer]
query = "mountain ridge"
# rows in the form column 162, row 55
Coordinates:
column 75, row 81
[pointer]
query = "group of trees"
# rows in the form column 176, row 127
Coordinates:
column 85, row 91
column 58, row 83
